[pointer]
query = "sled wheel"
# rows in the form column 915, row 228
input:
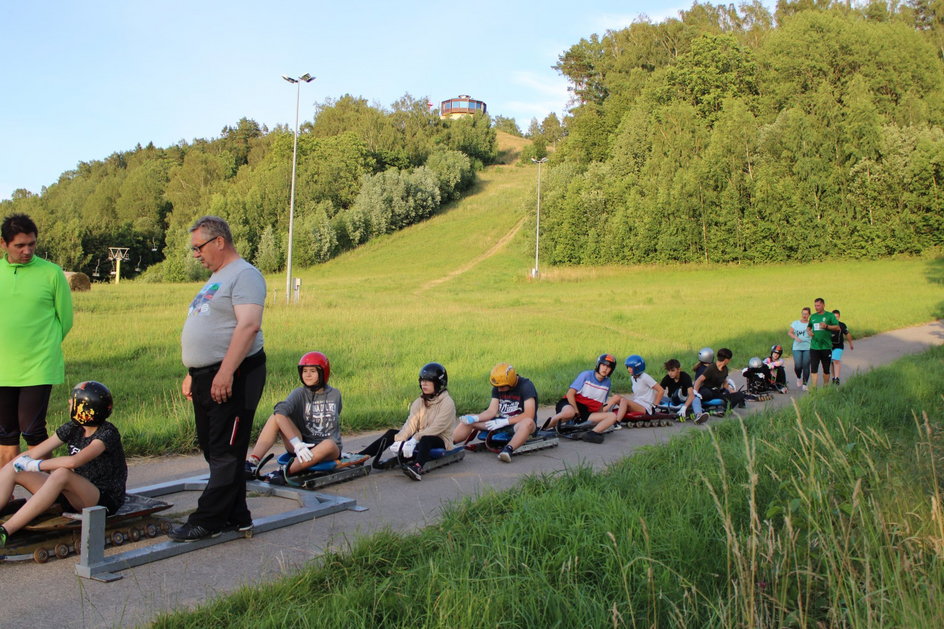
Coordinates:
column 151, row 529
column 165, row 527
column 118, row 538
column 134, row 534
column 62, row 551
column 41, row 555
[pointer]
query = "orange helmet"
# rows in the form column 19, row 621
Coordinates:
column 503, row 375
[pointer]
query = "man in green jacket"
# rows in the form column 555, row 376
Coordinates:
column 35, row 316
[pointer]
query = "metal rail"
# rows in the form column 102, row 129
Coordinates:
column 93, row 564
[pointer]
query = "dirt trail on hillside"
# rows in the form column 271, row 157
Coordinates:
column 394, row 503
column 471, row 264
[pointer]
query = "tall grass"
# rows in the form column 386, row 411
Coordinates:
column 825, row 515
column 379, row 316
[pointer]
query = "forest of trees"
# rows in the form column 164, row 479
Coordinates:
column 362, row 171
column 733, row 134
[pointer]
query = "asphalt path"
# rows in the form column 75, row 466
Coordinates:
column 51, row 594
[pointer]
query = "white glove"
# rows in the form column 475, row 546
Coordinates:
column 683, row 411
column 302, row 449
column 495, row 424
column 25, row 463
column 469, row 419
column 697, row 394
column 408, row 446
column 731, row 384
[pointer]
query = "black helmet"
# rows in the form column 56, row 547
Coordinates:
column 90, row 403
column 606, row 359
column 435, row 373
column 776, row 349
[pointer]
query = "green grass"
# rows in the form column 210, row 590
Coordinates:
column 384, row 310
column 825, row 515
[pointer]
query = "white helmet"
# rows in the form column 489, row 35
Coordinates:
column 755, row 363
column 706, row 354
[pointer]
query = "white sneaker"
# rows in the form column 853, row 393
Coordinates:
column 799, row 384
column 804, row 387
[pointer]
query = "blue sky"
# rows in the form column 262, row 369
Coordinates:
column 81, row 81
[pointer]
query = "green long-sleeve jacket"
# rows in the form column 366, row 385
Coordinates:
column 35, row 316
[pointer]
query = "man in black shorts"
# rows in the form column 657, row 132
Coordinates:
column 821, row 325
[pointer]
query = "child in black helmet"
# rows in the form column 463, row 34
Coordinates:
column 94, row 472
column 429, row 426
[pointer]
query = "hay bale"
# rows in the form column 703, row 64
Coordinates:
column 78, row 281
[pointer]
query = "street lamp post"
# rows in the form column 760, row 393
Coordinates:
column 306, row 78
column 537, row 223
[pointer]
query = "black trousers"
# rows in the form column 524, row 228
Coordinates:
column 732, row 400
column 420, row 455
column 223, row 432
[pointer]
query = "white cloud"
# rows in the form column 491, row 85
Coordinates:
column 549, row 95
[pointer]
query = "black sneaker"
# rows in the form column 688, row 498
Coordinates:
column 505, row 455
column 701, row 418
column 240, row 527
column 414, row 471
column 275, row 477
column 592, row 437
column 190, row 533
column 249, row 470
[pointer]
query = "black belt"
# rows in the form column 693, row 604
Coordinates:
column 248, row 363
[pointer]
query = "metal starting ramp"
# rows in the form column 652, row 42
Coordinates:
column 93, row 564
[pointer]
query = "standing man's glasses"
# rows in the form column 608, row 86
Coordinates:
column 199, row 248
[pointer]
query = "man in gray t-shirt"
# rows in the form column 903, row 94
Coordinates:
column 221, row 346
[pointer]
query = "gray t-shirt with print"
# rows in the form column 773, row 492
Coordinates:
column 316, row 414
column 211, row 319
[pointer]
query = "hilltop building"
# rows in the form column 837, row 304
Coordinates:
column 462, row 105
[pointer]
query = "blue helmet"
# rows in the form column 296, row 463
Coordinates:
column 637, row 363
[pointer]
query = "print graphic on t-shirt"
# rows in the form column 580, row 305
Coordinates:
column 201, row 303
column 319, row 416
column 509, row 407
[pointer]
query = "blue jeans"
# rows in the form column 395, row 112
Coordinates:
column 801, row 364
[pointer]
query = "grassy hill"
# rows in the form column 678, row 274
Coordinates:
column 455, row 289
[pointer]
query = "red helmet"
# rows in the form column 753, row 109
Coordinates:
column 319, row 361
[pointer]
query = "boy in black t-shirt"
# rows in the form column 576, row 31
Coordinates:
column 514, row 403
column 93, row 473
column 680, row 392
column 714, row 383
